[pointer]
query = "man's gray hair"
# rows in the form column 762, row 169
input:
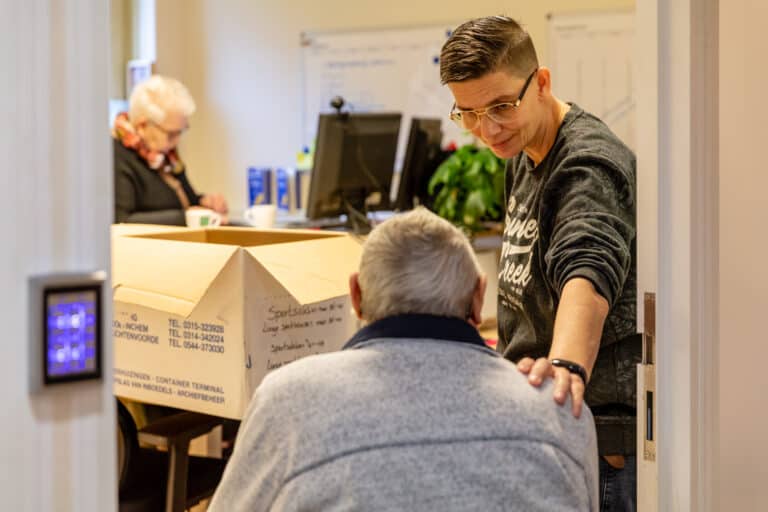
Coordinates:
column 417, row 262
column 152, row 99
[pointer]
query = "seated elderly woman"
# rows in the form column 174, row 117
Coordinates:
column 151, row 184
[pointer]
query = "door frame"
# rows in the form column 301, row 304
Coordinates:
column 678, row 245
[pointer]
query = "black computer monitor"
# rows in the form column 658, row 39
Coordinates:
column 353, row 164
column 422, row 156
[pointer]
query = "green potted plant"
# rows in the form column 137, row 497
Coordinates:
column 468, row 188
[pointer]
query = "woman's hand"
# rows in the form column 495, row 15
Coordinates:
column 566, row 383
column 215, row 202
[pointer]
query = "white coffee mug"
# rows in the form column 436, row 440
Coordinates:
column 261, row 216
column 202, row 218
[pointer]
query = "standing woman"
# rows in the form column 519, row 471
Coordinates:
column 568, row 280
column 151, row 185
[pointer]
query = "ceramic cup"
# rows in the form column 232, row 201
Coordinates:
column 202, row 218
column 261, row 216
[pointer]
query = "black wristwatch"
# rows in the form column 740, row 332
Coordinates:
column 571, row 367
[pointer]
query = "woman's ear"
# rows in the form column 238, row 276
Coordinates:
column 139, row 127
column 543, row 80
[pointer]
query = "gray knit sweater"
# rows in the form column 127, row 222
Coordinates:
column 434, row 421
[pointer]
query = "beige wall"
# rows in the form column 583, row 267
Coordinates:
column 743, row 256
column 120, row 45
column 241, row 60
column 132, row 36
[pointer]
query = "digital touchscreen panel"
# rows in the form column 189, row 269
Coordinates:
column 72, row 337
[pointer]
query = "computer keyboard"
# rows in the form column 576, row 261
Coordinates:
column 326, row 223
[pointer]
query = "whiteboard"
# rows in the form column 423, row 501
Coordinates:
column 591, row 58
column 387, row 70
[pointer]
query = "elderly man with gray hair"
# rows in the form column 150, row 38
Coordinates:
column 415, row 412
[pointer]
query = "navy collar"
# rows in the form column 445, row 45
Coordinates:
column 418, row 326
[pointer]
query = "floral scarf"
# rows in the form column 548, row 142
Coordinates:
column 166, row 164
column 124, row 131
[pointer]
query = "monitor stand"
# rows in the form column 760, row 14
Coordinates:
column 357, row 217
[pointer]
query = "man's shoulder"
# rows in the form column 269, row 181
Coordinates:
column 546, row 419
column 308, row 374
column 433, row 388
column 317, row 369
column 423, row 364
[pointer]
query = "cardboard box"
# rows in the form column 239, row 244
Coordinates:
column 201, row 316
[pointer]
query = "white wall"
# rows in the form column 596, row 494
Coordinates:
column 241, row 60
column 743, row 233
column 58, row 448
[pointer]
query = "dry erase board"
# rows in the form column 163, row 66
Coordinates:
column 376, row 71
column 591, row 57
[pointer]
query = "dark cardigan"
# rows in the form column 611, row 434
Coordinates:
column 141, row 195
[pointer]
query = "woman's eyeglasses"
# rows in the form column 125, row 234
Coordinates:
column 499, row 113
column 168, row 133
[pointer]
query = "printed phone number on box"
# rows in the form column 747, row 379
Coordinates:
column 194, row 345
column 196, row 336
column 195, row 326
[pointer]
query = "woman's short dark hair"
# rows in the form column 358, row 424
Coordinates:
column 485, row 45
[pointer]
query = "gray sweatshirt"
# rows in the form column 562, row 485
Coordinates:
column 573, row 215
column 414, row 414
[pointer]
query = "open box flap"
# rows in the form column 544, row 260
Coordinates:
column 312, row 270
column 160, row 302
column 164, row 274
column 142, row 229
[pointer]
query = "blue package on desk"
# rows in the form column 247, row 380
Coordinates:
column 259, row 185
column 283, row 189
column 301, row 188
